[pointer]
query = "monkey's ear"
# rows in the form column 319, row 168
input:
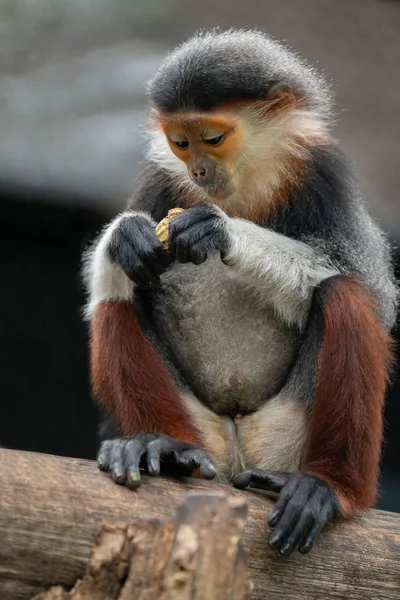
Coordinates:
column 281, row 95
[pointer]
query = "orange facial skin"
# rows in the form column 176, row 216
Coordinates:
column 196, row 130
column 218, row 139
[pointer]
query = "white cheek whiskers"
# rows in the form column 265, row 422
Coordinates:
column 272, row 144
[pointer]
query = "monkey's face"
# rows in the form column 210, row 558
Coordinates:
column 209, row 146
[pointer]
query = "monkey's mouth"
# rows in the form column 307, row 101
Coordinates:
column 217, row 190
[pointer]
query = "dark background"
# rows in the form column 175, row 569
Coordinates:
column 72, row 111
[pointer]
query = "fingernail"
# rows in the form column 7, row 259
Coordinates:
column 242, row 480
column 273, row 517
column 154, row 467
column 274, row 541
column 208, row 470
column 133, row 480
column 305, row 549
column 285, row 550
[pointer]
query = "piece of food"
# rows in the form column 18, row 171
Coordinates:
column 162, row 227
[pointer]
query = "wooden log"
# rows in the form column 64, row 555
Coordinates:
column 52, row 507
column 196, row 556
column 207, row 562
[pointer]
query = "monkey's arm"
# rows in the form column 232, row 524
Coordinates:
column 340, row 374
column 283, row 271
column 128, row 375
column 127, row 253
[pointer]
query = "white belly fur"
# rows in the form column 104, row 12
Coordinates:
column 235, row 353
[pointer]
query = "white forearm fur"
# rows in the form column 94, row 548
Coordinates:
column 284, row 271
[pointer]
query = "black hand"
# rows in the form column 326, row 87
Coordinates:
column 135, row 246
column 306, row 503
column 122, row 457
column 197, row 231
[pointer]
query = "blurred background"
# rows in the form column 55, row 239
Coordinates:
column 72, row 111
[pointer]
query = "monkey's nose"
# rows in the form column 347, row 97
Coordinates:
column 199, row 172
column 203, row 172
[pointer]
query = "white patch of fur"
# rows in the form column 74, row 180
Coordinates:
column 274, row 437
column 160, row 153
column 264, row 164
column 103, row 279
column 285, row 272
column 234, row 355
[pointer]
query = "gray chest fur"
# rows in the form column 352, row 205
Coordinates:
column 235, row 353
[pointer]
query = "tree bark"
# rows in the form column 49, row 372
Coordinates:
column 51, row 510
column 196, row 556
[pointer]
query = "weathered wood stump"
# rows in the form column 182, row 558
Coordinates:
column 52, row 508
column 196, row 556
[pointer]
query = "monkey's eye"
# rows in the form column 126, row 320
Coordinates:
column 182, row 144
column 214, row 141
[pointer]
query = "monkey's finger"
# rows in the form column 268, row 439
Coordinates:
column 311, row 537
column 199, row 258
column 154, row 259
column 117, row 462
column 242, row 480
column 185, row 253
column 288, row 492
column 141, row 275
column 134, row 450
column 200, row 236
column 269, row 480
column 197, row 254
column 189, row 249
column 139, row 247
column 301, row 529
column 266, row 480
column 202, row 246
column 141, row 244
column 154, row 256
column 180, row 250
column 153, row 457
column 193, row 459
column 207, row 468
column 104, row 455
column 287, row 522
column 193, row 216
column 161, row 255
column 325, row 508
column 153, row 264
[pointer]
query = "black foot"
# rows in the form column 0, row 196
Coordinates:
column 122, row 457
column 305, row 505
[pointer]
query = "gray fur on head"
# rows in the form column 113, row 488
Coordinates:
column 215, row 65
